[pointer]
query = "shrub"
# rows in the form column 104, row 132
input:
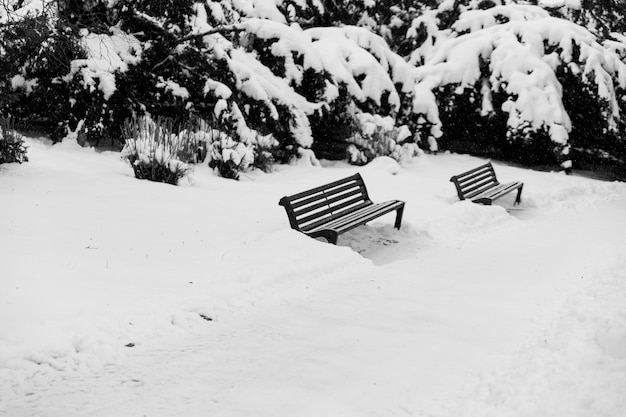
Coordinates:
column 469, row 129
column 154, row 150
column 333, row 125
column 36, row 54
column 228, row 156
column 12, row 147
column 379, row 136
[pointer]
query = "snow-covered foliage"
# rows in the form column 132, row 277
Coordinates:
column 515, row 61
column 156, row 151
column 106, row 55
column 503, row 78
column 12, row 148
column 380, row 136
column 16, row 10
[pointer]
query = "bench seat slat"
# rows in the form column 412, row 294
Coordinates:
column 500, row 189
column 372, row 209
column 345, row 224
column 359, row 217
column 496, row 192
column 323, row 223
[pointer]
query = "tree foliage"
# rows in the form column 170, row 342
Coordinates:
column 534, row 82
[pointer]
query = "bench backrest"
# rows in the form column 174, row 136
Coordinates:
column 475, row 181
column 309, row 209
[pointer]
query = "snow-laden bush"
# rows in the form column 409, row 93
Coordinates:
column 495, row 77
column 35, row 55
column 239, row 65
column 157, row 152
column 12, row 148
column 379, row 136
column 508, row 69
column 228, row 156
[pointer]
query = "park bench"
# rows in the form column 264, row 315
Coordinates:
column 480, row 185
column 329, row 210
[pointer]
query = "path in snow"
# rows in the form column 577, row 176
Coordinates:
column 416, row 332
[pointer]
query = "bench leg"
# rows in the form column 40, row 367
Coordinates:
column 518, row 199
column 399, row 213
column 330, row 235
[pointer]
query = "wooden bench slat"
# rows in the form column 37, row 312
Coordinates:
column 474, row 170
column 296, row 203
column 330, row 210
column 348, row 206
column 363, row 215
column 354, row 214
column 499, row 191
column 483, row 171
column 353, row 178
column 322, row 222
column 478, row 177
column 477, row 187
column 326, row 202
column 356, row 186
column 310, row 198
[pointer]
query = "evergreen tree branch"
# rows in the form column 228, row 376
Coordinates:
column 220, row 30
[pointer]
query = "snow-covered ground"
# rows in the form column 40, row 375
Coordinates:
column 121, row 297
